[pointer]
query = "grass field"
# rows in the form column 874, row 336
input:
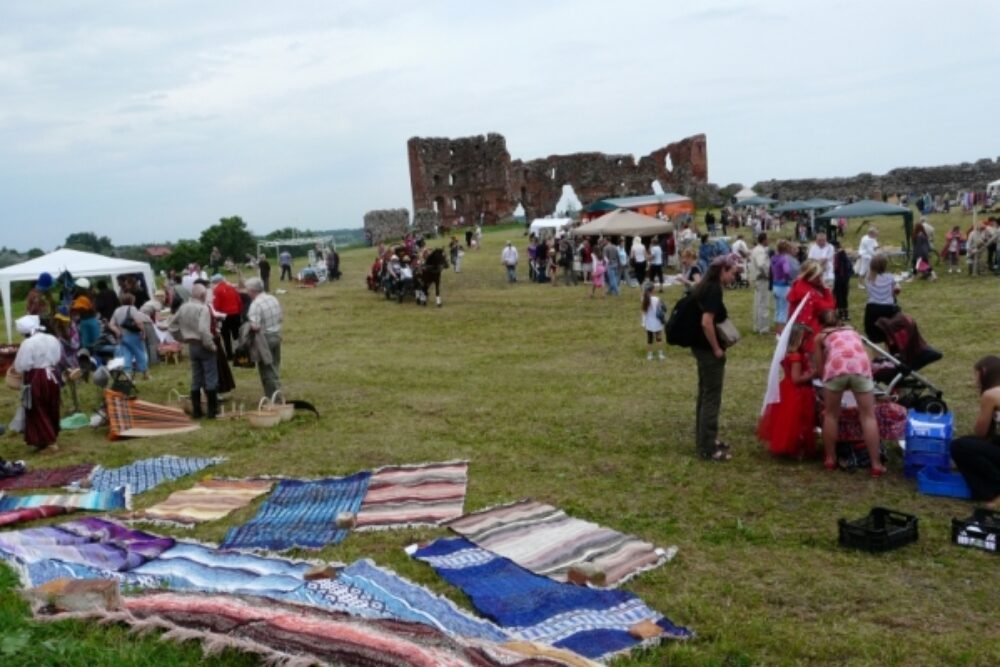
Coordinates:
column 548, row 393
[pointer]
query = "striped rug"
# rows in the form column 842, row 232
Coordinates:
column 289, row 634
column 47, row 478
column 546, row 541
column 94, row 501
column 12, row 517
column 594, row 623
column 208, row 500
column 414, row 495
column 132, row 418
column 301, row 514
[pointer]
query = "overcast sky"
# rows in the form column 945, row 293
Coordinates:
column 149, row 120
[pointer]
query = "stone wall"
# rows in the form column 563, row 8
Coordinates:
column 947, row 180
column 470, row 178
column 387, row 224
column 426, row 222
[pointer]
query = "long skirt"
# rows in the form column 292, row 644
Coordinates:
column 41, row 427
column 226, row 380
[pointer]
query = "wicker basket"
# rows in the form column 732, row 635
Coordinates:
column 263, row 416
column 285, row 410
column 13, row 379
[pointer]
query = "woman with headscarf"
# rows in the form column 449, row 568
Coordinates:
column 37, row 359
column 809, row 287
column 40, row 300
column 711, row 356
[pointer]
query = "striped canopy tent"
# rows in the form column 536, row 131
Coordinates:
column 132, row 418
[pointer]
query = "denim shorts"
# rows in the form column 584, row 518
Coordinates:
column 859, row 384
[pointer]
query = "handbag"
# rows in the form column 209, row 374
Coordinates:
column 661, row 313
column 727, row 333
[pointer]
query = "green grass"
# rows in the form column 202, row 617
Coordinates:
column 548, row 393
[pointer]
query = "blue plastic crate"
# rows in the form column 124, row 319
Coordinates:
column 919, row 445
column 937, row 482
column 920, row 459
column 924, row 425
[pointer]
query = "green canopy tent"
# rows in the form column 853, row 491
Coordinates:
column 600, row 206
column 789, row 206
column 819, row 202
column 869, row 208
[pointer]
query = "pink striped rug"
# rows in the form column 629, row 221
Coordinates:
column 414, row 495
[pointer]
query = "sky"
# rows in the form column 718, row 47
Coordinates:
column 148, row 120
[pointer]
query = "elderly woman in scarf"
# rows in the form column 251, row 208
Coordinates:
column 37, row 360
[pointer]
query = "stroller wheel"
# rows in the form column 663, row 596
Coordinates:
column 931, row 405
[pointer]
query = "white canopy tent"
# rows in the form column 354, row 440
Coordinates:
column 80, row 264
column 745, row 193
column 313, row 241
column 624, row 223
column 540, row 226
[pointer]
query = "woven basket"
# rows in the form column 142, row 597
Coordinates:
column 13, row 379
column 263, row 416
column 285, row 410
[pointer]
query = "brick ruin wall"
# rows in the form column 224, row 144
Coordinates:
column 471, row 177
column 425, row 222
column 387, row 224
column 946, row 180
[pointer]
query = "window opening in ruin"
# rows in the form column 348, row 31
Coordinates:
column 657, row 188
column 439, row 205
column 524, row 194
column 619, row 163
column 668, row 163
column 454, row 204
column 553, row 174
column 568, row 203
column 519, row 211
column 451, row 179
column 437, row 180
column 451, row 152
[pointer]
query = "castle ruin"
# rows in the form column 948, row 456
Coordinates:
column 474, row 178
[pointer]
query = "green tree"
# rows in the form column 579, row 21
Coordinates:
column 292, row 233
column 89, row 242
column 184, row 252
column 231, row 236
column 35, row 252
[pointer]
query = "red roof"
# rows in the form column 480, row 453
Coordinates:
column 158, row 251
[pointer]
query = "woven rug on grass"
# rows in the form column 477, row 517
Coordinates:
column 141, row 476
column 291, row 634
column 94, row 501
column 547, row 541
column 367, row 590
column 132, row 418
column 12, row 517
column 47, row 478
column 94, row 542
column 595, row 623
column 301, row 514
column 208, row 500
column 414, row 495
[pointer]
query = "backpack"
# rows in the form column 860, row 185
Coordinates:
column 129, row 324
column 683, row 324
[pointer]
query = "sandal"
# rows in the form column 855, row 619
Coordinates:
column 878, row 472
column 720, row 455
column 830, row 465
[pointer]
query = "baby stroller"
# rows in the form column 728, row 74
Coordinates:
column 896, row 370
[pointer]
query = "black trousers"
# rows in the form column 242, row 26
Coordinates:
column 978, row 459
column 229, row 332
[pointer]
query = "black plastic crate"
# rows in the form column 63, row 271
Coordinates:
column 882, row 530
column 979, row 531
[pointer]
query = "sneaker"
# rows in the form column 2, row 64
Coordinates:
column 649, row 356
column 662, row 356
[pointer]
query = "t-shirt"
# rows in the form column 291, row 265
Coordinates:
column 880, row 290
column 845, row 355
column 656, row 255
column 709, row 301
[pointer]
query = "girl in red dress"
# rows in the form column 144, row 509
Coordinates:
column 789, row 426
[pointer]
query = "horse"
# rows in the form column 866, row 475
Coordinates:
column 429, row 273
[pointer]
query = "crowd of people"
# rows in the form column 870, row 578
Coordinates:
column 72, row 329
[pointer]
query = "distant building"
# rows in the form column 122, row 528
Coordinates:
column 158, row 251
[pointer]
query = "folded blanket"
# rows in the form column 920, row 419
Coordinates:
column 95, row 501
column 11, row 517
column 47, row 478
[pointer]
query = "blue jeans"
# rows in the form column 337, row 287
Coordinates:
column 512, row 273
column 612, row 280
column 780, row 303
column 132, row 348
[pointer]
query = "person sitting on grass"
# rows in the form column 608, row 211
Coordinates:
column 978, row 455
column 845, row 365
